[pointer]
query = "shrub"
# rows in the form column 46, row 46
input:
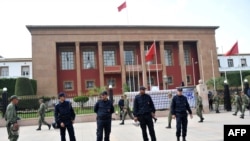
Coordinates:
column 28, row 104
column 34, row 85
column 81, row 99
column 23, row 87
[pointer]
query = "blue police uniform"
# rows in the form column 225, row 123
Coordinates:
column 104, row 110
column 64, row 113
column 143, row 109
column 179, row 108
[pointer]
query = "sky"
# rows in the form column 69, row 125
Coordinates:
column 232, row 17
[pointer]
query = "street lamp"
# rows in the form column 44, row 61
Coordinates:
column 165, row 79
column 246, row 86
column 111, row 93
column 227, row 98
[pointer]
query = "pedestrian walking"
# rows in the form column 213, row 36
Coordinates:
column 210, row 101
column 11, row 119
column 144, row 110
column 104, row 109
column 199, row 107
column 245, row 102
column 4, row 101
column 65, row 117
column 237, row 102
column 170, row 98
column 126, row 110
column 216, row 100
column 179, row 109
column 121, row 105
column 41, row 113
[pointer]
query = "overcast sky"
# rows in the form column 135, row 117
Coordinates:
column 232, row 17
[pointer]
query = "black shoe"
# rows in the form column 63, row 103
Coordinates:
column 49, row 126
column 184, row 139
column 38, row 129
column 217, row 112
column 178, row 139
column 168, row 127
column 242, row 117
column 122, row 123
column 234, row 114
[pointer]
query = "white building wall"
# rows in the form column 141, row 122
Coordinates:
column 15, row 68
column 223, row 63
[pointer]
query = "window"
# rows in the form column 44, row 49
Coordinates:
column 68, row 85
column 109, row 58
column 243, row 62
column 186, row 56
column 188, row 79
column 230, row 62
column 219, row 62
column 88, row 59
column 168, row 57
column 151, row 80
column 170, row 80
column 111, row 81
column 67, row 59
column 4, row 71
column 25, row 70
column 90, row 84
column 129, row 57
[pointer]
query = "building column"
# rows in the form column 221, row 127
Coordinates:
column 123, row 67
column 100, row 56
column 182, row 62
column 143, row 64
column 78, row 69
column 164, row 71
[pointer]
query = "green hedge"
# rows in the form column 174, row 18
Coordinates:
column 28, row 104
column 23, row 87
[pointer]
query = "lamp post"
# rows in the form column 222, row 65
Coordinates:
column 4, row 101
column 246, row 86
column 227, row 98
column 111, row 93
column 165, row 79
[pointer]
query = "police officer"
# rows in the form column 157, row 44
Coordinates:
column 104, row 109
column 4, row 100
column 126, row 110
column 11, row 119
column 245, row 102
column 41, row 113
column 179, row 109
column 144, row 110
column 237, row 102
column 199, row 107
column 170, row 97
column 65, row 117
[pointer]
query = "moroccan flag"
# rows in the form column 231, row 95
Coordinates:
column 151, row 53
column 122, row 6
column 233, row 50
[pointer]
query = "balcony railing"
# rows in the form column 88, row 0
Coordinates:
column 112, row 69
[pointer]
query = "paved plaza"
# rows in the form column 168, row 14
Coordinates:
column 210, row 130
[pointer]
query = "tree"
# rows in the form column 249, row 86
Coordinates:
column 96, row 91
column 23, row 87
column 219, row 83
column 81, row 100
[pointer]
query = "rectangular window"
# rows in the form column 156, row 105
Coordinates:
column 188, row 79
column 168, row 57
column 90, row 84
column 170, row 80
column 243, row 62
column 219, row 62
column 4, row 71
column 129, row 57
column 109, row 58
column 67, row 60
column 25, row 71
column 88, row 59
column 151, row 80
column 187, row 56
column 111, row 81
column 230, row 62
column 68, row 85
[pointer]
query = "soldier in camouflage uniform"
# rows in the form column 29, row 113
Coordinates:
column 11, row 119
column 216, row 100
column 245, row 102
column 237, row 102
column 41, row 113
column 199, row 107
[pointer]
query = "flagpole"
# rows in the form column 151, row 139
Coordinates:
column 240, row 73
column 129, row 78
column 193, row 70
column 156, row 67
column 133, row 76
column 149, row 72
column 138, row 77
column 202, row 71
column 127, row 12
column 213, row 68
